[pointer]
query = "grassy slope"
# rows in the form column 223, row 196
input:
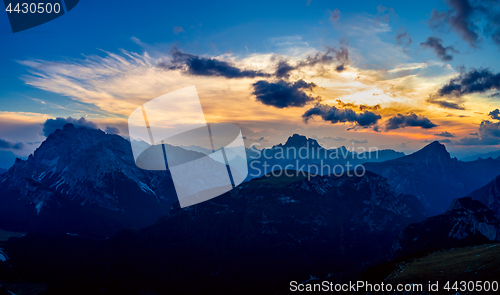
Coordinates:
column 476, row 263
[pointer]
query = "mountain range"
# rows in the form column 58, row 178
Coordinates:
column 306, row 154
column 83, row 183
column 89, row 180
column 434, row 177
column 494, row 155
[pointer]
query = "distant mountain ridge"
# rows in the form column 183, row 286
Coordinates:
column 306, row 154
column 494, row 155
column 434, row 177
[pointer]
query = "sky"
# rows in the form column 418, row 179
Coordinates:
column 386, row 74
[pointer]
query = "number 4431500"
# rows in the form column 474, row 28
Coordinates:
column 34, row 8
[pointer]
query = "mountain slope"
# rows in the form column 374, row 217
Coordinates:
column 253, row 240
column 467, row 222
column 489, row 195
column 434, row 177
column 479, row 264
column 82, row 181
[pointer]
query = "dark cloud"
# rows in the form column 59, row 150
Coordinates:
column 443, row 53
column 489, row 133
column 5, row 144
column 203, row 66
column 403, row 38
column 340, row 57
column 457, row 17
column 323, row 58
column 495, row 115
column 336, row 115
column 361, row 107
column 206, row 66
column 283, row 69
column 409, row 120
column 283, row 94
column 456, row 104
column 52, row 125
column 112, row 130
column 462, row 17
column 445, row 134
column 473, row 81
column 488, row 128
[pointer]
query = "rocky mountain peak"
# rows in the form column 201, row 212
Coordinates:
column 433, row 150
column 85, row 172
column 299, row 141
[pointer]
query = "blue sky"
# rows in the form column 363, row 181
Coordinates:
column 95, row 29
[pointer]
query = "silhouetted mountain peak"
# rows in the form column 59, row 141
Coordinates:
column 299, row 141
column 434, row 148
column 343, row 148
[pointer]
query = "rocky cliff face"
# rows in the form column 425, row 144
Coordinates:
column 82, row 181
column 467, row 222
column 434, row 177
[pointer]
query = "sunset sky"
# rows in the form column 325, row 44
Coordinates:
column 390, row 74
